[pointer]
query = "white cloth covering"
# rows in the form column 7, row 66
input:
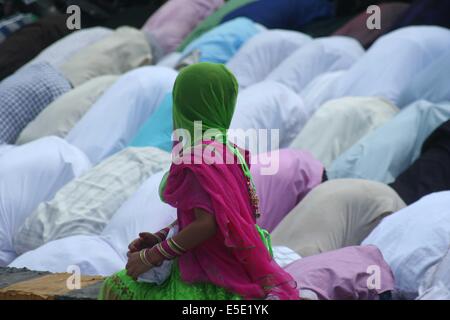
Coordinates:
column 62, row 50
column 29, row 175
column 4, row 148
column 414, row 240
column 387, row 151
column 62, row 114
column 116, row 117
column 263, row 53
column 84, row 206
column 388, row 66
column 321, row 89
column 340, row 123
column 436, row 282
column 264, row 106
column 315, row 58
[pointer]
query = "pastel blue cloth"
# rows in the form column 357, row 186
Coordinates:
column 284, row 14
column 394, row 59
column 25, row 94
column 221, row 43
column 157, row 130
column 431, row 84
column 385, row 153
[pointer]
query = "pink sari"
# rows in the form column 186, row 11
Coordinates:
column 235, row 258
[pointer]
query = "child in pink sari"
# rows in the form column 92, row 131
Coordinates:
column 219, row 252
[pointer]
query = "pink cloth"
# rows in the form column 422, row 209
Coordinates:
column 298, row 173
column 343, row 274
column 177, row 18
column 235, row 258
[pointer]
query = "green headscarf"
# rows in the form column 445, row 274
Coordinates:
column 204, row 92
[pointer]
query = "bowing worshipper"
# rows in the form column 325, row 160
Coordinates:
column 26, row 43
column 357, row 27
column 414, row 242
column 221, row 43
column 31, row 174
column 343, row 274
column 105, row 252
column 426, row 12
column 175, row 19
column 212, row 21
column 336, row 214
column 263, row 53
column 123, row 50
column 85, row 205
column 25, row 94
column 284, row 14
column 63, row 49
column 392, row 61
column 255, row 110
column 314, row 58
column 219, row 251
column 117, row 115
column 341, row 123
column 62, row 114
column 431, row 171
column 296, row 174
column 430, row 84
column 386, row 152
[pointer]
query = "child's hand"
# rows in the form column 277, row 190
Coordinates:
column 145, row 240
column 135, row 267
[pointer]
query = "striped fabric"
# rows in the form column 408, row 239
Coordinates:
column 14, row 23
column 85, row 205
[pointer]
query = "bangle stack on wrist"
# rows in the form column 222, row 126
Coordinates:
column 169, row 249
column 142, row 255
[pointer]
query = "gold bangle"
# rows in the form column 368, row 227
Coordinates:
column 144, row 258
column 173, row 247
column 180, row 248
column 163, row 252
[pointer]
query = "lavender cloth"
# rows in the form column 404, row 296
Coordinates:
column 351, row 273
column 177, row 18
column 298, row 173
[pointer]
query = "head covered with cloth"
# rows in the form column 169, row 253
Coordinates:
column 237, row 257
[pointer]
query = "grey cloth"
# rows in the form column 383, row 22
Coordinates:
column 336, row 214
column 125, row 49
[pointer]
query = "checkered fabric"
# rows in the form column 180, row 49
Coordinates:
column 26, row 93
column 14, row 23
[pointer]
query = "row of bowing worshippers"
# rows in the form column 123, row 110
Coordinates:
column 363, row 167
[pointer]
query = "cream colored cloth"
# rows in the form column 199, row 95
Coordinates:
column 63, row 113
column 85, row 205
column 340, row 123
column 336, row 214
column 127, row 48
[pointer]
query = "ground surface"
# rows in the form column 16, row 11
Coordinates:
column 32, row 285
